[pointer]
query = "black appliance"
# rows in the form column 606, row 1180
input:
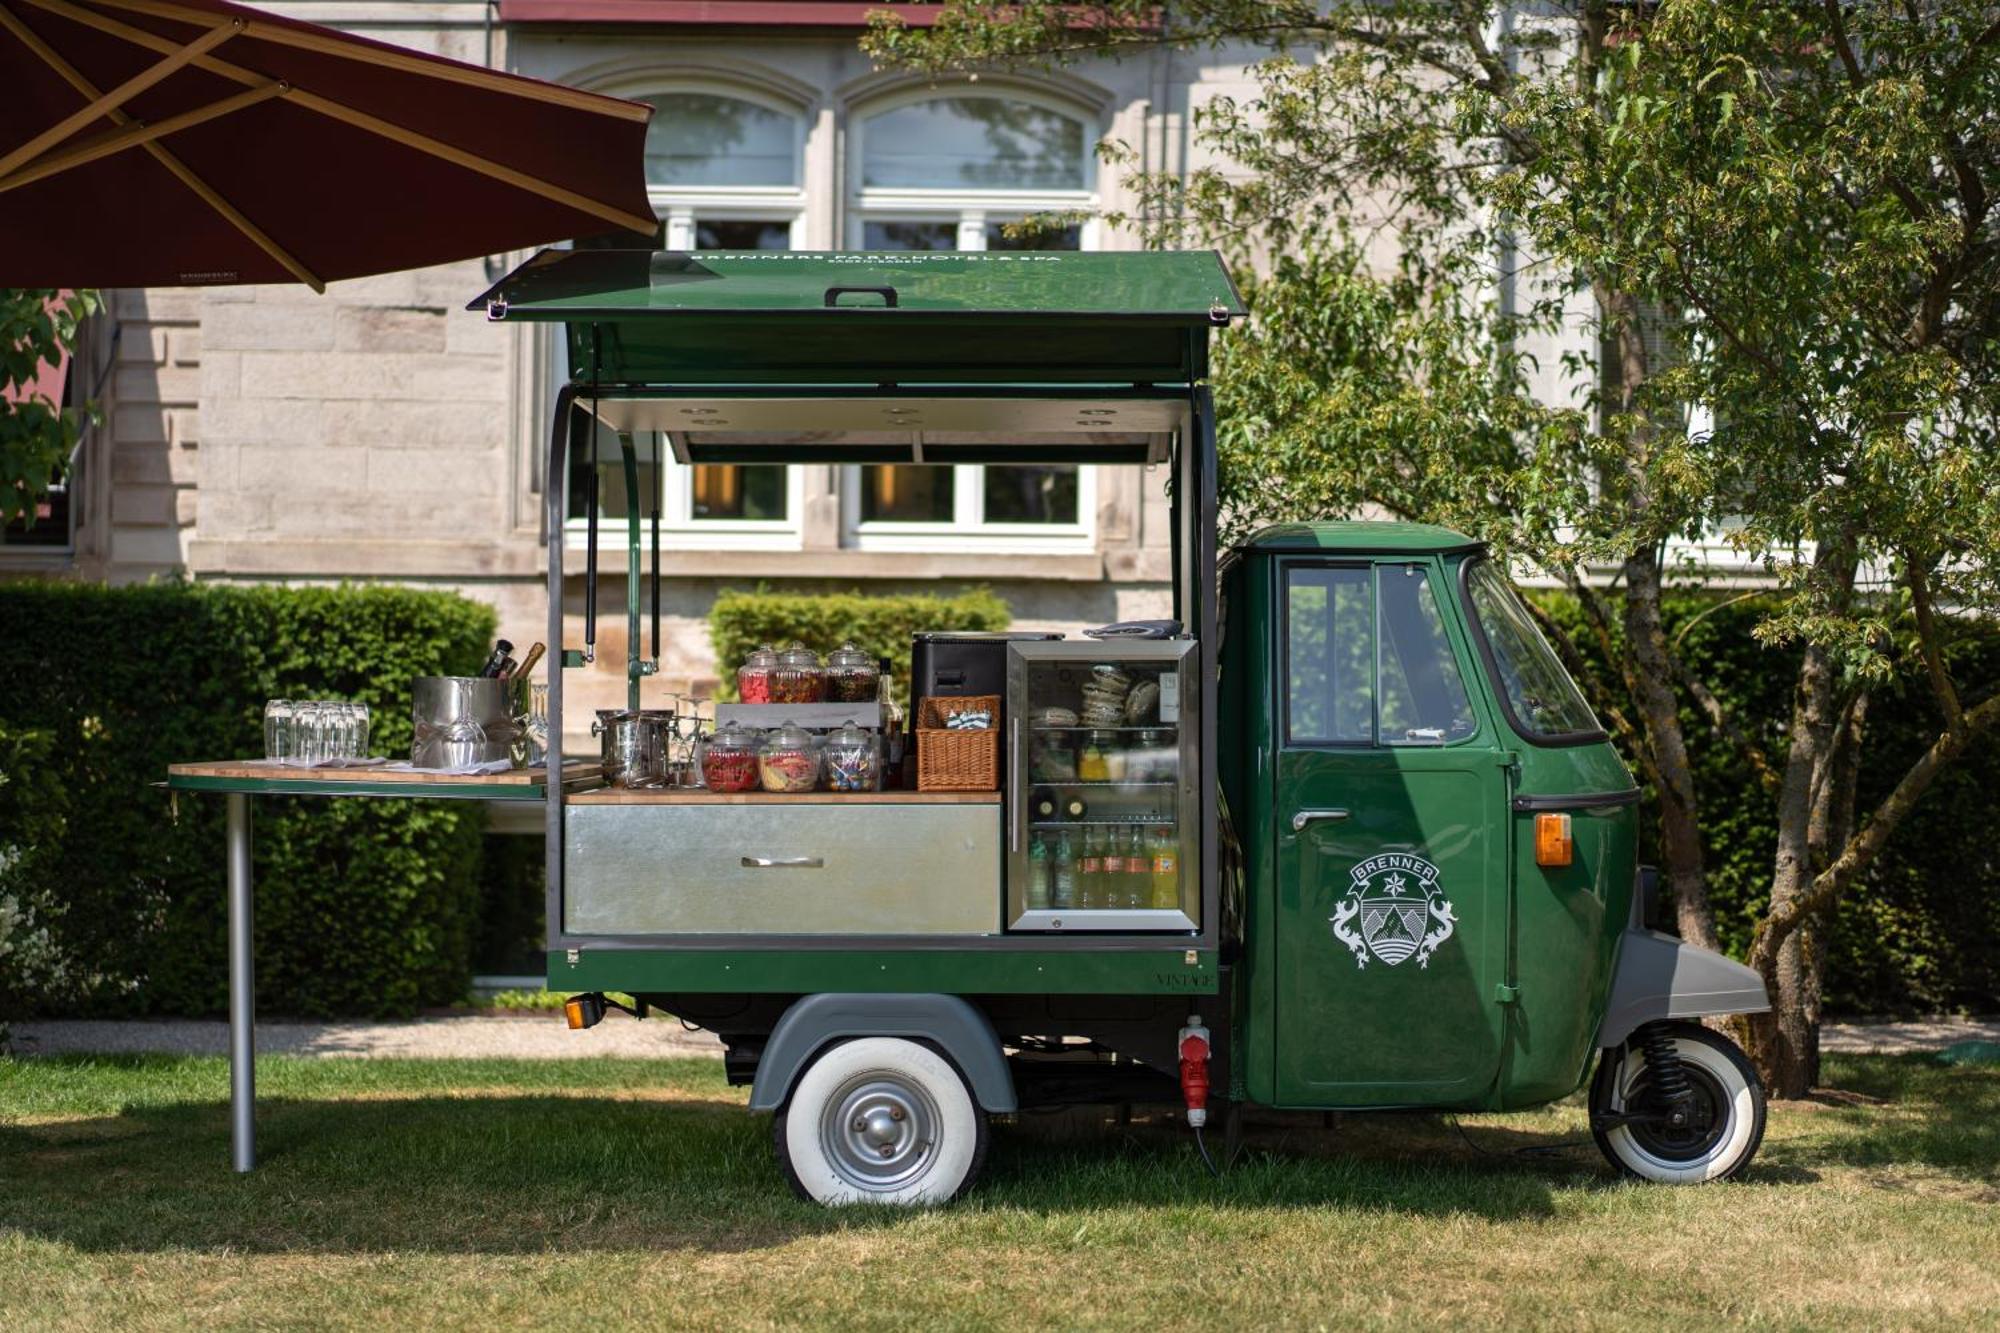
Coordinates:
column 962, row 662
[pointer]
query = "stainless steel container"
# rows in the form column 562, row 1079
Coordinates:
column 634, row 746
column 460, row 721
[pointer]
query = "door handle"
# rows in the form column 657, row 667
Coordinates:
column 784, row 863
column 1305, row 817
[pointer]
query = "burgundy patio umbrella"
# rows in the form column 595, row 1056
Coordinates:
column 148, row 143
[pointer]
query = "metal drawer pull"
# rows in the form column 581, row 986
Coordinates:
column 784, row 863
column 1305, row 817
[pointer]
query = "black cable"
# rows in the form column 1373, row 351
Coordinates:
column 1531, row 1150
column 1206, row 1160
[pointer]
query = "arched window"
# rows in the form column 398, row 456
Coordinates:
column 950, row 172
column 724, row 171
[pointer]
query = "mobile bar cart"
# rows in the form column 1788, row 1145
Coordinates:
column 1394, row 858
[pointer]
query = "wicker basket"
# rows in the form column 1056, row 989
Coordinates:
column 950, row 760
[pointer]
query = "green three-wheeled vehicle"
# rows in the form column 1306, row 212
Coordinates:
column 1377, row 852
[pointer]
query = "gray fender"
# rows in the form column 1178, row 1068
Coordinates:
column 1660, row 977
column 958, row 1029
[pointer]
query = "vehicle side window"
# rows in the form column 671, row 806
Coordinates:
column 1368, row 661
column 1330, row 656
column 1423, row 696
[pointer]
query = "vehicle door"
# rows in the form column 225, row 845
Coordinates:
column 1390, row 807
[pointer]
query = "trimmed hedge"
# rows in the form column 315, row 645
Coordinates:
column 740, row 621
column 1921, row 932
column 363, row 907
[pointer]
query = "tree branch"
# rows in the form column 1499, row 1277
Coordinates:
column 1726, row 727
column 1927, row 644
column 1862, row 849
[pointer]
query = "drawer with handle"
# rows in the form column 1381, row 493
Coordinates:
column 800, row 868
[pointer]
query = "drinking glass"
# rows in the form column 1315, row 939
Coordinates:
column 358, row 733
column 309, row 733
column 278, row 716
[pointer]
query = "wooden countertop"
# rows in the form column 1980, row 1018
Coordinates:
column 261, row 771
column 695, row 796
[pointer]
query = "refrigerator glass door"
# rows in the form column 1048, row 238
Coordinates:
column 1101, row 787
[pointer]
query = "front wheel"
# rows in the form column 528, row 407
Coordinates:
column 881, row 1120
column 1724, row 1112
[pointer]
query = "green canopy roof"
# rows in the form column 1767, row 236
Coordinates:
column 660, row 319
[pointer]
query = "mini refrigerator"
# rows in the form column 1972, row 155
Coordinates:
column 1101, row 797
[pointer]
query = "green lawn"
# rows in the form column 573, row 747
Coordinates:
column 580, row 1194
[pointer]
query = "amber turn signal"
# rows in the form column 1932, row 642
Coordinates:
column 1552, row 841
column 583, row 1011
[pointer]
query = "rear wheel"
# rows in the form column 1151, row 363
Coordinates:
column 1724, row 1123
column 881, row 1120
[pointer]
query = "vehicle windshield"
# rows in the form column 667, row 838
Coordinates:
column 1543, row 702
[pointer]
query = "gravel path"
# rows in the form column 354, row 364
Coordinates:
column 543, row 1035
column 538, row 1035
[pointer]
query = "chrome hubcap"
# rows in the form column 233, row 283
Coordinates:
column 879, row 1132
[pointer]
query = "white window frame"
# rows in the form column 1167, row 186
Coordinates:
column 681, row 206
column 970, row 210
column 968, row 530
column 680, row 530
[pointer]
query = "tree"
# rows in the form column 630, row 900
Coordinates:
column 37, row 328
column 1573, row 148
column 1811, row 186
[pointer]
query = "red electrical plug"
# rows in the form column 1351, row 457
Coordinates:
column 1194, row 1070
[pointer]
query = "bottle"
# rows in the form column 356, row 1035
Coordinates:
column 1038, row 874
column 1042, row 804
column 502, row 653
column 1138, row 886
column 1166, row 869
column 1090, row 870
column 1112, row 894
column 892, row 717
column 1074, row 809
column 1062, row 878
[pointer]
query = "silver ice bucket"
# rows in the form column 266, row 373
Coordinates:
column 461, row 721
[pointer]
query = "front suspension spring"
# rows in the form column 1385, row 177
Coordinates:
column 1663, row 1061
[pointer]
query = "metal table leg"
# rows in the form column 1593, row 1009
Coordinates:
column 242, row 993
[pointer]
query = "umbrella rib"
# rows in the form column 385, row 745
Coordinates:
column 513, row 85
column 363, row 121
column 136, row 133
column 29, row 38
column 118, row 96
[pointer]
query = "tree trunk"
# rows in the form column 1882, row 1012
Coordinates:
column 1650, row 677
column 1814, row 804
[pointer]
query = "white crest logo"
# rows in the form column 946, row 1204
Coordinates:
column 1401, row 910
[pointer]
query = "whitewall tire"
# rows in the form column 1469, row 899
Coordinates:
column 881, row 1120
column 1724, row 1131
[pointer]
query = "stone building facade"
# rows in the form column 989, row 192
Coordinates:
column 380, row 431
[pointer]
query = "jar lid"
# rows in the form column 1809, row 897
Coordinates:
column 847, row 657
column 799, row 656
column 791, row 736
column 734, row 736
column 764, row 656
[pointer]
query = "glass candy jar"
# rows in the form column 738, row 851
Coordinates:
column 730, row 761
column 850, row 675
column 789, row 760
column 853, row 760
column 798, row 677
column 753, row 678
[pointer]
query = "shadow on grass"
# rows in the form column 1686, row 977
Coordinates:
column 389, row 1170
column 364, row 1163
column 1902, row 1110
